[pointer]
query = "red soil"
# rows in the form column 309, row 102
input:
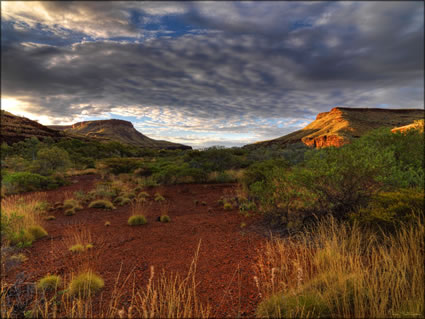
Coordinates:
column 226, row 256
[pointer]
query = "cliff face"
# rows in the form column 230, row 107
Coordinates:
column 340, row 125
column 116, row 130
column 15, row 128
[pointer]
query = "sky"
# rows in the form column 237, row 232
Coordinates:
column 209, row 73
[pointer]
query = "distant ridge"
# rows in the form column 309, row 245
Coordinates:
column 341, row 124
column 115, row 130
column 17, row 128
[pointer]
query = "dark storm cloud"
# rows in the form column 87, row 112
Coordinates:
column 243, row 61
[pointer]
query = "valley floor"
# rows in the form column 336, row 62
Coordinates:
column 226, row 256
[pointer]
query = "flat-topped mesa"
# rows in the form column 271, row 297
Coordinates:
column 111, row 122
column 341, row 124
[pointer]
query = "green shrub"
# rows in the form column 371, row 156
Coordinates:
column 49, row 282
column 101, row 203
column 136, row 220
column 224, row 177
column 85, row 285
column 25, row 182
column 51, row 159
column 257, row 172
column 390, row 209
column 89, row 246
column 121, row 165
column 301, row 305
column 37, row 232
column 165, row 219
column 50, row 217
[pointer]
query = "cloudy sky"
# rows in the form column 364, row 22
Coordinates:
column 209, row 73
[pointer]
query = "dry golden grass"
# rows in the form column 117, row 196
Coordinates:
column 165, row 296
column 22, row 213
column 351, row 272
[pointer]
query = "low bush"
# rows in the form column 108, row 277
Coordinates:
column 50, row 217
column 389, row 210
column 136, row 220
column 101, row 203
column 49, row 282
column 107, row 223
column 121, row 165
column 26, row 182
column 165, row 219
column 37, row 231
column 85, row 285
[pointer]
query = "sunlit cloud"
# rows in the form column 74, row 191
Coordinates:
column 209, row 72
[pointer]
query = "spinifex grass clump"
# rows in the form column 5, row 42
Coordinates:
column 227, row 206
column 37, row 231
column 165, row 219
column 136, row 220
column 69, row 212
column 159, row 197
column 121, row 201
column 101, row 203
column 72, row 204
column 49, row 282
column 86, row 284
column 77, row 248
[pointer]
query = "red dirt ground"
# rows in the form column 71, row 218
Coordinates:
column 225, row 247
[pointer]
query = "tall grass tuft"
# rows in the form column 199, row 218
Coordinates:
column 20, row 215
column 348, row 270
column 170, row 296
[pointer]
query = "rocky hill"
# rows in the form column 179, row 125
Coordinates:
column 338, row 126
column 16, row 128
column 115, row 130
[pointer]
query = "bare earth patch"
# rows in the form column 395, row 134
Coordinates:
column 226, row 257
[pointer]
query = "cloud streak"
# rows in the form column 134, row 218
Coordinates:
column 197, row 68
